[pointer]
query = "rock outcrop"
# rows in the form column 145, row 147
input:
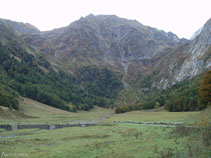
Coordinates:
column 200, row 55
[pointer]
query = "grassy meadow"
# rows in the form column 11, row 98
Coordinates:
column 105, row 140
column 33, row 112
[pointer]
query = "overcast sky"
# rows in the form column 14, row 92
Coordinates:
column 182, row 17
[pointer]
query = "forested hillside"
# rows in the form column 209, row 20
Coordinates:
column 31, row 75
column 36, row 79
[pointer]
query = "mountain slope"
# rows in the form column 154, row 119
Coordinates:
column 90, row 60
column 184, row 61
column 142, row 56
column 200, row 55
column 187, row 60
column 27, row 72
column 19, row 27
column 125, row 46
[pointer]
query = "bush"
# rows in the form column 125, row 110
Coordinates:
column 122, row 109
column 181, row 131
column 8, row 100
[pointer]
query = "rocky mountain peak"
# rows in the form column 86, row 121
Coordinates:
column 204, row 37
column 111, row 30
column 200, row 50
column 19, row 27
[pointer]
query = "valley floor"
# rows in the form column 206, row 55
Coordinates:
column 107, row 139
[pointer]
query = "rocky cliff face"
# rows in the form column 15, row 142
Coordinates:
column 199, row 55
column 187, row 60
column 144, row 57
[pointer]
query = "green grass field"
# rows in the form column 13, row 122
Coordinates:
column 104, row 141
column 37, row 113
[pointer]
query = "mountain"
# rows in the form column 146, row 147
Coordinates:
column 199, row 55
column 96, row 57
column 19, row 27
column 187, row 60
column 25, row 71
column 184, row 61
column 125, row 46
column 196, row 33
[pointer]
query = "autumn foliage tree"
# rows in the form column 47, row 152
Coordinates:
column 205, row 90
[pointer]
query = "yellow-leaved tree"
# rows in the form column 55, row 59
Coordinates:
column 205, row 90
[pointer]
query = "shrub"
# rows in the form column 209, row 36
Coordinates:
column 181, row 131
column 8, row 100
